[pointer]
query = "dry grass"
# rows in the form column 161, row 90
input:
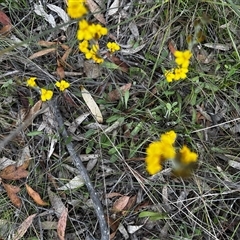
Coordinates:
column 205, row 206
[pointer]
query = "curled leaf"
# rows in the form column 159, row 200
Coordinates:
column 35, row 196
column 12, row 194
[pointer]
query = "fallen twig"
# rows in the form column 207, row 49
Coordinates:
column 82, row 170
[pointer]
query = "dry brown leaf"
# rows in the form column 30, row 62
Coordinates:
column 46, row 43
column 33, row 112
column 118, row 93
column 35, row 196
column 12, row 194
column 122, row 65
column 113, row 224
column 131, row 203
column 91, row 104
column 113, row 194
column 42, row 52
column 61, row 226
column 4, row 19
column 13, row 173
column 6, row 23
column 92, row 70
column 60, row 72
column 96, row 11
column 65, row 47
column 4, row 31
column 66, row 54
column 120, row 203
column 24, row 227
column 171, row 47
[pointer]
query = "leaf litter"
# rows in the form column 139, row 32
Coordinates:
column 162, row 189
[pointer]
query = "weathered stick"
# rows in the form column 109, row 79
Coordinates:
column 82, row 170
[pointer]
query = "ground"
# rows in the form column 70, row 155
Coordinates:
column 137, row 105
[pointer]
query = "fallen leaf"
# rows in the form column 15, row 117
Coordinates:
column 56, row 203
column 131, row 203
column 39, row 10
column 96, row 11
column 118, row 93
column 46, row 43
column 66, row 54
column 218, row 46
column 133, row 50
column 234, row 164
column 113, row 8
column 120, row 203
column 93, row 107
column 12, row 194
column 76, row 182
column 91, row 164
column 119, row 63
column 134, row 29
column 32, row 113
column 5, row 30
column 74, row 125
column 42, row 52
column 61, row 226
column 24, row 160
column 35, row 196
column 13, row 173
column 61, row 13
column 113, row 194
column 49, row 225
column 133, row 228
column 6, row 22
column 22, row 229
column 92, row 70
column 123, row 231
column 171, row 47
column 4, row 19
column 5, row 162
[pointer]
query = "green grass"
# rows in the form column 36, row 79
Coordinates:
column 205, row 206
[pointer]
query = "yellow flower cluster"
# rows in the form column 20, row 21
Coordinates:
column 76, row 8
column 182, row 59
column 160, row 151
column 45, row 93
column 88, row 33
column 113, row 47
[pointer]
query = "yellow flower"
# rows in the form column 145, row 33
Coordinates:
column 180, row 73
column 85, row 31
column 160, row 151
column 154, row 157
column 46, row 94
column 62, row 85
column 97, row 59
column 31, row 82
column 83, row 46
column 93, row 54
column 182, row 58
column 169, row 75
column 98, row 31
column 113, row 47
column 186, row 156
column 76, row 8
column 168, row 137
